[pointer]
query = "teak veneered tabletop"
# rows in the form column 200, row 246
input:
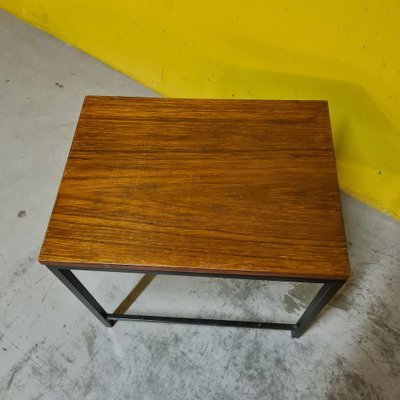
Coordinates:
column 235, row 187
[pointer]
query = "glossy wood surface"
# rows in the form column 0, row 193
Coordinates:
column 243, row 187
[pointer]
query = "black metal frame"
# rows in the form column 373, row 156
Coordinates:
column 324, row 295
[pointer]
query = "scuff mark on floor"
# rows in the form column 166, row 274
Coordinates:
column 299, row 296
column 16, row 369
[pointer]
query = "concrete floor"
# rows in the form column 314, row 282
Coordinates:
column 52, row 348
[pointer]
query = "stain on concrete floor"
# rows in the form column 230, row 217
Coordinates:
column 21, row 214
column 300, row 296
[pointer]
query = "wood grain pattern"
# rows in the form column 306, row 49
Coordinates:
column 244, row 187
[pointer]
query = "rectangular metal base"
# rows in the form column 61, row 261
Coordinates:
column 324, row 295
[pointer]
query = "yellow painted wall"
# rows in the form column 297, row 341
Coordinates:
column 345, row 51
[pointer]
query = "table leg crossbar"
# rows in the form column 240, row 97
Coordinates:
column 325, row 294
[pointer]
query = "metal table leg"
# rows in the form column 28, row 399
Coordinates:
column 76, row 287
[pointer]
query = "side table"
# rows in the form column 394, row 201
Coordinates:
column 222, row 188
